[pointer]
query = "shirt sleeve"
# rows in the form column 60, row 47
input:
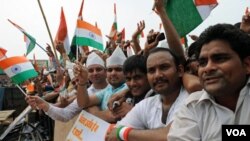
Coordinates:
column 64, row 114
column 185, row 126
column 135, row 117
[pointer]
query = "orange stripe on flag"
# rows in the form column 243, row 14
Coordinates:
column 3, row 51
column 62, row 30
column 88, row 26
column 12, row 61
column 205, row 2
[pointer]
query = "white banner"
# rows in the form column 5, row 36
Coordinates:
column 88, row 128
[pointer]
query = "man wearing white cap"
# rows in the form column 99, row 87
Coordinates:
column 115, row 78
column 97, row 75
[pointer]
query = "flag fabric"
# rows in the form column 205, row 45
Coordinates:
column 73, row 47
column 123, row 34
column 18, row 68
column 205, row 2
column 88, row 35
column 114, row 27
column 183, row 41
column 186, row 15
column 62, row 33
column 30, row 41
column 2, row 53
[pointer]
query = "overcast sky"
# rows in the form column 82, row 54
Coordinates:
column 27, row 14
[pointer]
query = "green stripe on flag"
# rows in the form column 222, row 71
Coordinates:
column 115, row 25
column 1, row 72
column 32, row 43
column 21, row 77
column 82, row 41
column 184, row 15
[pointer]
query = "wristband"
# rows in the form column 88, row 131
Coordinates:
column 118, row 132
column 125, row 135
column 123, row 132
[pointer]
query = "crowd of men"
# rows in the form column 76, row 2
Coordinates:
column 159, row 93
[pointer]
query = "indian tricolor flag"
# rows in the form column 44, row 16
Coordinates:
column 62, row 33
column 188, row 14
column 30, row 43
column 18, row 68
column 29, row 40
column 88, row 35
column 114, row 27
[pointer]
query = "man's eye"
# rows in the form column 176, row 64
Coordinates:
column 150, row 70
column 220, row 58
column 202, row 62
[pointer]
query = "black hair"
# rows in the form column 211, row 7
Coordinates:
column 238, row 40
column 192, row 49
column 135, row 62
column 160, row 49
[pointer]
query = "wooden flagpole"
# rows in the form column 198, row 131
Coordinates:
column 46, row 23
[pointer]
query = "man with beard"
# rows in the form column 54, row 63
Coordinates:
column 164, row 74
column 224, row 67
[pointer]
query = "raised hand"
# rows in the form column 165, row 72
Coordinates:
column 80, row 73
column 245, row 23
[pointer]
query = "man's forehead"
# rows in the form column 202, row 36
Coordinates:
column 114, row 66
column 95, row 66
column 215, row 48
column 135, row 72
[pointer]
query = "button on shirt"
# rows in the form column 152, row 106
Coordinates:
column 201, row 118
column 147, row 113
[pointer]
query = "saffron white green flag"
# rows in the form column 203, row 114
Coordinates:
column 62, row 33
column 188, row 14
column 18, row 68
column 88, row 35
column 30, row 42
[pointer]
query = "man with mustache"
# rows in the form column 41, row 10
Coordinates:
column 164, row 73
column 224, row 67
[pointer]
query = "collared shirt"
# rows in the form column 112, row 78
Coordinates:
column 201, row 118
column 92, row 90
column 106, row 93
column 67, row 113
column 147, row 114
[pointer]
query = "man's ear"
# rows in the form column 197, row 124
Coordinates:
column 180, row 70
column 246, row 63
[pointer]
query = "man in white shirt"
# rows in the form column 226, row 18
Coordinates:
column 164, row 74
column 97, row 75
column 224, row 68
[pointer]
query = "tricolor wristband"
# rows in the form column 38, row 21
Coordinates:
column 118, row 132
column 122, row 133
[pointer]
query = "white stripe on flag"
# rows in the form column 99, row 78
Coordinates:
column 18, row 68
column 88, row 34
column 205, row 10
